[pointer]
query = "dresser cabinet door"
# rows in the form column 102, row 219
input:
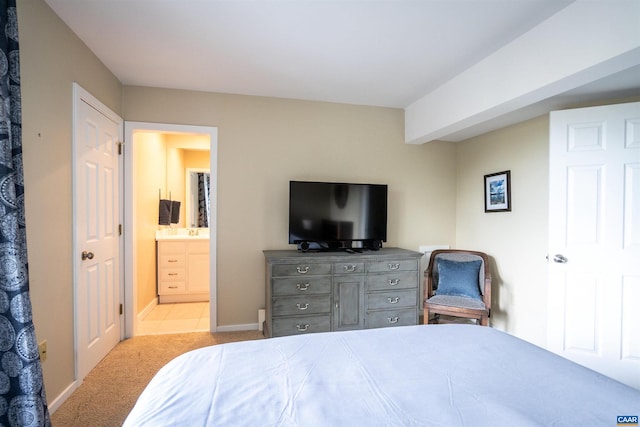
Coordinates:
column 348, row 294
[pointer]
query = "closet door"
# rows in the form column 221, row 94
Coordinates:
column 594, row 238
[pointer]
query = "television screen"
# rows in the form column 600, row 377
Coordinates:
column 334, row 215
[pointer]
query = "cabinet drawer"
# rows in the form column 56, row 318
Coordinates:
column 302, row 285
column 302, row 269
column 348, row 268
column 384, row 300
column 393, row 265
column 286, row 306
column 171, row 274
column 171, row 260
column 300, row 325
column 391, row 281
column 165, row 288
column 172, row 247
column 381, row 319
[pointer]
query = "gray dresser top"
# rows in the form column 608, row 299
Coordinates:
column 284, row 256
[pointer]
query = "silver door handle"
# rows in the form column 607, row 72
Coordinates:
column 560, row 259
column 87, row 255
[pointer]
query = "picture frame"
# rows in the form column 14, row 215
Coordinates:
column 497, row 192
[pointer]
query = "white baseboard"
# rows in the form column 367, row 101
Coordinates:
column 60, row 399
column 147, row 310
column 235, row 328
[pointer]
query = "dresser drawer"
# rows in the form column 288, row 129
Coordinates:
column 384, row 300
column 391, row 281
column 300, row 325
column 305, row 305
column 171, row 288
column 381, row 319
column 348, row 268
column 312, row 285
column 302, row 269
column 171, row 274
column 172, row 247
column 388, row 266
column 171, row 260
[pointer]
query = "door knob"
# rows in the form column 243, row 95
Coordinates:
column 560, row 259
column 87, row 255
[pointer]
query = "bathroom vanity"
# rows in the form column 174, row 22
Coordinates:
column 182, row 265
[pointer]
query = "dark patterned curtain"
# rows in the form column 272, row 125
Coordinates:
column 204, row 200
column 22, row 400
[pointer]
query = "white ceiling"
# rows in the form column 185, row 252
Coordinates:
column 370, row 52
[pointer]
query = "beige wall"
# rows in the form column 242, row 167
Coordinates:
column 51, row 59
column 264, row 142
column 151, row 177
column 516, row 241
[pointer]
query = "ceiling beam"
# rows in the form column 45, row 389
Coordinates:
column 582, row 43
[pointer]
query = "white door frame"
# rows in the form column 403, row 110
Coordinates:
column 130, row 267
column 81, row 95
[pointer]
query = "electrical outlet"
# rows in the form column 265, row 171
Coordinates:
column 42, row 349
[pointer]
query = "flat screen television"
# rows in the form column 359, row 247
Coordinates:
column 337, row 216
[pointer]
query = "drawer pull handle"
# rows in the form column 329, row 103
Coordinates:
column 302, row 307
column 173, row 274
column 394, row 266
column 302, row 328
column 302, row 287
column 173, row 287
column 393, row 300
column 303, row 270
column 350, row 268
column 172, row 260
column 393, row 319
column 394, row 282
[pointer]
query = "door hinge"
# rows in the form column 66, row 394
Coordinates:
column 121, row 309
column 119, row 229
column 120, row 144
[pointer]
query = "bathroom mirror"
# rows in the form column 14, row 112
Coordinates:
column 198, row 201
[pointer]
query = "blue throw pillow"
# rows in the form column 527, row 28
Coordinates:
column 459, row 278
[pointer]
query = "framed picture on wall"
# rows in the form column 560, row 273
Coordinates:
column 497, row 192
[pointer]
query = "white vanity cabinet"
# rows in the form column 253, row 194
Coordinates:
column 183, row 270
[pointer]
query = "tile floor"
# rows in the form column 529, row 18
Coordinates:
column 175, row 318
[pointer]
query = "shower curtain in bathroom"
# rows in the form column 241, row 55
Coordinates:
column 204, row 200
column 22, row 396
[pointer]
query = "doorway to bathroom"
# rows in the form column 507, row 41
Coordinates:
column 156, row 159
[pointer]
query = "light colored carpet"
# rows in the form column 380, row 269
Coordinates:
column 109, row 392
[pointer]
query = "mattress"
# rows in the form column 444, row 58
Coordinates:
column 433, row 375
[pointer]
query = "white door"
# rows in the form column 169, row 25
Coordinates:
column 97, row 240
column 594, row 239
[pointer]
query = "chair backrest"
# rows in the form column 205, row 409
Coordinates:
column 484, row 275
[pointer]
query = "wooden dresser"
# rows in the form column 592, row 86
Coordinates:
column 337, row 291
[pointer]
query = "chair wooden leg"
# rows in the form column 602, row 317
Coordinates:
column 425, row 317
column 484, row 321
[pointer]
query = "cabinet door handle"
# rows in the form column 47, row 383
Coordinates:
column 302, row 287
column 393, row 319
column 394, row 266
column 302, row 307
column 393, row 300
column 394, row 282
column 304, row 270
column 350, row 268
column 302, row 328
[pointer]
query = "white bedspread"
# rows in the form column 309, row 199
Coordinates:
column 436, row 375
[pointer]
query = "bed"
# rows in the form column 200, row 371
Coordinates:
column 436, row 375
